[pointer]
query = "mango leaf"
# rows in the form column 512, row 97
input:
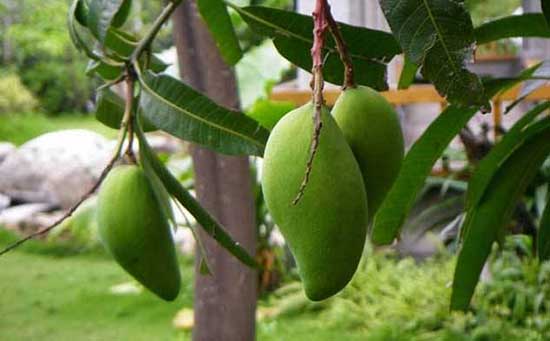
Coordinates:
column 498, row 155
column 122, row 44
column 214, row 13
column 181, row 111
column 525, row 25
column 268, row 112
column 407, row 74
column 81, row 12
column 110, row 110
column 439, row 36
column 206, row 221
column 76, row 14
column 293, row 37
column 418, row 164
column 487, row 221
column 104, row 14
column 415, row 168
column 104, row 69
column 545, row 4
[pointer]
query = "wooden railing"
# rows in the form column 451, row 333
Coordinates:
column 413, row 95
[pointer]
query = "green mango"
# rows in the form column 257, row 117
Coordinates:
column 134, row 228
column 326, row 230
column 371, row 127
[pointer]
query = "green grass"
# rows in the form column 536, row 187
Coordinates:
column 19, row 128
column 49, row 292
column 53, row 292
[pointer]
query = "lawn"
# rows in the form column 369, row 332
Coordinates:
column 49, row 293
column 19, row 128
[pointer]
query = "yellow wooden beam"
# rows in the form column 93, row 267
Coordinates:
column 422, row 93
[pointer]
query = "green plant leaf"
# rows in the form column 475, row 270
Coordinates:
column 104, row 14
column 545, row 5
column 81, row 12
column 420, row 159
column 293, row 37
column 498, row 155
column 407, row 74
column 110, row 110
column 543, row 236
column 415, row 168
column 122, row 44
column 439, row 36
column 206, row 221
column 525, row 25
column 214, row 13
column 76, row 14
column 487, row 220
column 104, row 69
column 181, row 111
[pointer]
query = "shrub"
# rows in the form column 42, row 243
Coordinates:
column 14, row 96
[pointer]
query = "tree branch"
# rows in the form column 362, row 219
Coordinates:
column 317, row 83
column 349, row 79
column 145, row 43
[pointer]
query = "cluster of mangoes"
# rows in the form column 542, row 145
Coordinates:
column 358, row 157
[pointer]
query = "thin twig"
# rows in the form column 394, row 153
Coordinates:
column 349, row 79
column 124, row 129
column 317, row 83
column 145, row 43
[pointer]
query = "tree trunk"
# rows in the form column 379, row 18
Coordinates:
column 225, row 302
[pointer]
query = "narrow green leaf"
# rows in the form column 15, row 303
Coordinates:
column 367, row 72
column 104, row 14
column 122, row 15
column 543, row 237
column 525, row 25
column 419, row 161
column 110, row 110
column 293, row 37
column 439, row 36
column 545, row 4
column 268, row 112
column 407, row 74
column 160, row 191
column 498, row 155
column 81, row 12
column 216, row 17
column 181, row 111
column 487, row 221
column 76, row 12
column 415, row 168
column 123, row 44
column 206, row 221
column 104, row 69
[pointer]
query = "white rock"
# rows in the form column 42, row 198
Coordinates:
column 6, row 149
column 57, row 167
column 16, row 216
column 5, row 202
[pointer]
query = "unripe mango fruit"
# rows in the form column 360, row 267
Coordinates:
column 135, row 230
column 371, row 127
column 326, row 229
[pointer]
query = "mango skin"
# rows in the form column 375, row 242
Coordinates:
column 135, row 230
column 326, row 230
column 371, row 127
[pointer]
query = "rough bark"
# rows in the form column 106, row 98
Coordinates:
column 225, row 302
